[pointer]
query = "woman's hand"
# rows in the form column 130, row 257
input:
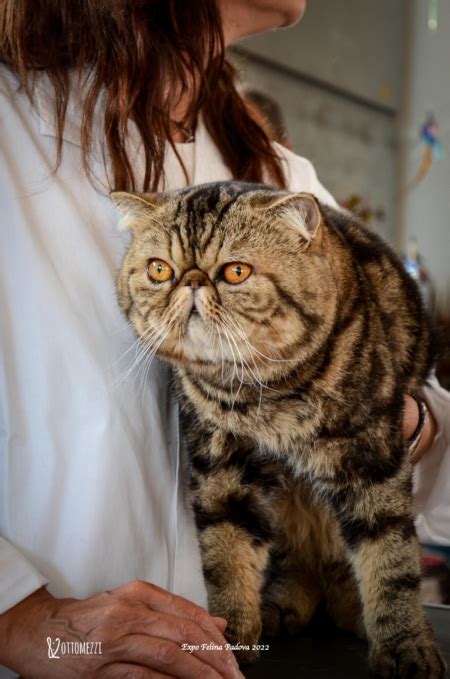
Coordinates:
column 410, row 422
column 141, row 628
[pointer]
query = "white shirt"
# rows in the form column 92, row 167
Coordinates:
column 90, row 469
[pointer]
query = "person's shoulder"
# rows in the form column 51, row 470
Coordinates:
column 13, row 97
column 18, row 114
column 301, row 175
column 9, row 82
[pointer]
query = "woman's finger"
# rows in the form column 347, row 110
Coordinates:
column 220, row 623
column 191, row 638
column 123, row 670
column 160, row 600
column 166, row 657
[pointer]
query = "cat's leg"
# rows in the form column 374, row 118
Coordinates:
column 376, row 519
column 235, row 515
column 290, row 598
column 343, row 601
column 234, row 566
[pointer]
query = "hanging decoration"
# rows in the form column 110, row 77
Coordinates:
column 429, row 134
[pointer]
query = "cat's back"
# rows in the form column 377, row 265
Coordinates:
column 386, row 294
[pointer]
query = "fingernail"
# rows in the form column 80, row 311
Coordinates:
column 222, row 622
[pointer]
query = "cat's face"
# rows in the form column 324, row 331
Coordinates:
column 227, row 278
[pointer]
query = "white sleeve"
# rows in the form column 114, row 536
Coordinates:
column 301, row 176
column 432, row 473
column 18, row 577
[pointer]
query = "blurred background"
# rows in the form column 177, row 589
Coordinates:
column 363, row 91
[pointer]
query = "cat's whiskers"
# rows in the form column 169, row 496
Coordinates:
column 140, row 347
column 256, row 381
column 235, row 369
column 253, row 379
column 178, row 340
column 146, row 345
column 215, row 318
column 214, row 326
column 212, row 330
column 222, row 355
column 251, row 350
column 258, row 378
column 258, row 375
column 144, row 351
column 221, row 316
column 234, row 373
column 241, row 379
column 150, row 355
column 122, row 328
column 135, row 345
column 240, row 332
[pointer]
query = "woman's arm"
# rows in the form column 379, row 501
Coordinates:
column 432, row 471
column 412, row 422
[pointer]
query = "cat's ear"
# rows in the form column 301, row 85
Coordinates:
column 137, row 210
column 300, row 210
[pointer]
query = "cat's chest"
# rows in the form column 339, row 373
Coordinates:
column 277, row 426
column 286, row 430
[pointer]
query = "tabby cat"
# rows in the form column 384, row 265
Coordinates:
column 295, row 333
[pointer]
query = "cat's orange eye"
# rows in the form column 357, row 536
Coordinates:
column 237, row 272
column 159, row 271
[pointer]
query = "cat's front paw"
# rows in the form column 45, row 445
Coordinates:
column 278, row 621
column 244, row 638
column 412, row 658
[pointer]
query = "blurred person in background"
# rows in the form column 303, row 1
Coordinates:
column 269, row 114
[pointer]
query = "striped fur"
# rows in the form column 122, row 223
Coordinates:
column 292, row 386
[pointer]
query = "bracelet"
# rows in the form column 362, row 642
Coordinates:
column 424, row 416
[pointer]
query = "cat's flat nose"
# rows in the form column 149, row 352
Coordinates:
column 195, row 279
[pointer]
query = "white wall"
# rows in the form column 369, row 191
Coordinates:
column 355, row 44
column 340, row 90
column 426, row 209
column 352, row 148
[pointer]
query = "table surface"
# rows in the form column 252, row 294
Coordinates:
column 331, row 654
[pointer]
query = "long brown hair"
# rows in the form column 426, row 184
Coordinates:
column 141, row 57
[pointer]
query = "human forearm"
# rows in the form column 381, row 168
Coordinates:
column 411, row 421
column 140, row 627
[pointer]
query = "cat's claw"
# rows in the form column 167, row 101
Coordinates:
column 410, row 659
